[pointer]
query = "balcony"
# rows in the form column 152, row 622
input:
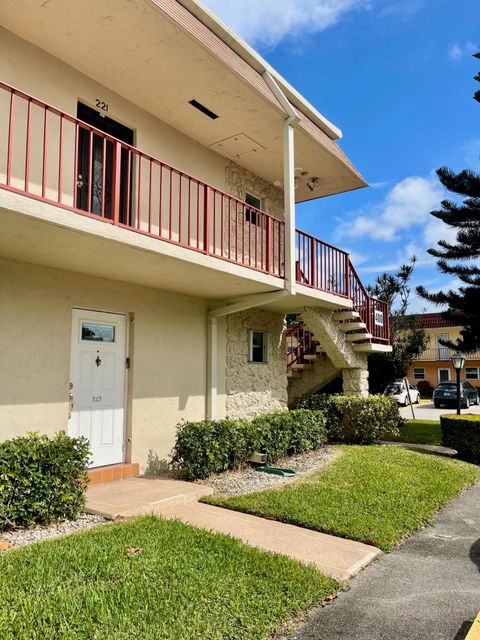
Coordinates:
column 442, row 354
column 59, row 160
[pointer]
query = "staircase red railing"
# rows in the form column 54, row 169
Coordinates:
column 299, row 344
column 373, row 312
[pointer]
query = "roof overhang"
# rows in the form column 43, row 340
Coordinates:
column 160, row 54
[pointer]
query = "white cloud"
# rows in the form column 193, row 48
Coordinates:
column 458, row 51
column 406, row 205
column 455, row 52
column 268, row 22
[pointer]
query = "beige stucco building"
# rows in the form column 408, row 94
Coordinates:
column 150, row 167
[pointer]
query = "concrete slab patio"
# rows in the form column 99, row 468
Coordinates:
column 337, row 557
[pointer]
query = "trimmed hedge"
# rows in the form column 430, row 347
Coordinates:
column 356, row 420
column 42, row 480
column 207, row 447
column 462, row 433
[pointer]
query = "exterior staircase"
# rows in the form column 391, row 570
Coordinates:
column 324, row 344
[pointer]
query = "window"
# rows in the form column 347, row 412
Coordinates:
column 251, row 215
column 92, row 332
column 258, row 346
column 419, row 374
column 443, row 375
column 472, row 373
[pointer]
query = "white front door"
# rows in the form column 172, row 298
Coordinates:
column 97, row 377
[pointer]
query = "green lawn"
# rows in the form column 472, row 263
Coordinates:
column 373, row 494
column 185, row 584
column 420, row 432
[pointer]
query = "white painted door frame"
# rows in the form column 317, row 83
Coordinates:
column 98, row 377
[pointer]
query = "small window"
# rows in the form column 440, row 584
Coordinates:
column 251, row 215
column 419, row 374
column 472, row 373
column 258, row 346
column 92, row 332
column 443, row 375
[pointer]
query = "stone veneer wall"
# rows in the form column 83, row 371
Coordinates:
column 239, row 180
column 255, row 388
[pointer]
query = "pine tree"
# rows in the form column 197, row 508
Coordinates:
column 465, row 218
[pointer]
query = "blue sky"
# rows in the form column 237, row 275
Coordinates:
column 396, row 77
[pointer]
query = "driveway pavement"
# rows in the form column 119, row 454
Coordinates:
column 428, row 589
column 426, row 411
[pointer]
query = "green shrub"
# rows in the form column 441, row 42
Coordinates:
column 42, row 480
column 356, row 420
column 207, row 447
column 463, row 434
column 283, row 433
column 203, row 448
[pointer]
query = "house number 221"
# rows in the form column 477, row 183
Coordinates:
column 101, row 105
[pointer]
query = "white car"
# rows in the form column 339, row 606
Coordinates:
column 398, row 390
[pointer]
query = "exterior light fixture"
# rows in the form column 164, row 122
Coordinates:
column 458, row 361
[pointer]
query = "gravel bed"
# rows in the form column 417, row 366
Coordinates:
column 20, row 537
column 248, row 480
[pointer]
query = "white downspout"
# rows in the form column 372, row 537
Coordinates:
column 291, row 122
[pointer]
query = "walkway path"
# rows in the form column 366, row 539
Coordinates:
column 429, row 589
column 336, row 557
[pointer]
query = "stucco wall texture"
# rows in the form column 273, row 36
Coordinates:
column 254, row 388
column 167, row 347
column 167, row 378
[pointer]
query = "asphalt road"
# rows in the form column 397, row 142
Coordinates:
column 428, row 589
column 426, row 411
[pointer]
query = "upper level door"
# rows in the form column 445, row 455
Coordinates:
column 95, row 165
column 97, row 378
column 443, row 353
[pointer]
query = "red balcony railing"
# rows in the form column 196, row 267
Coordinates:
column 58, row 159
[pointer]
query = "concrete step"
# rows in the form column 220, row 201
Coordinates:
column 301, row 367
column 372, row 347
column 352, row 326
column 310, row 356
column 113, row 472
column 294, row 374
column 320, row 349
column 339, row 558
column 357, row 337
column 346, row 315
column 141, row 496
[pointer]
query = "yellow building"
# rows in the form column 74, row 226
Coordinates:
column 434, row 365
column 150, row 167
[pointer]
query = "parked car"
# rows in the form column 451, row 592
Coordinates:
column 398, row 390
column 446, row 393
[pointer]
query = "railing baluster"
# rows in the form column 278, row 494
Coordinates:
column 10, row 137
column 206, row 223
column 44, row 159
column 27, row 146
column 60, row 160
column 116, row 186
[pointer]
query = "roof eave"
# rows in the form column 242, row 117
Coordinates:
column 255, row 60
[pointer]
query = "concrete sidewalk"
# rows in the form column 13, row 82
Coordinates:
column 337, row 557
column 429, row 589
